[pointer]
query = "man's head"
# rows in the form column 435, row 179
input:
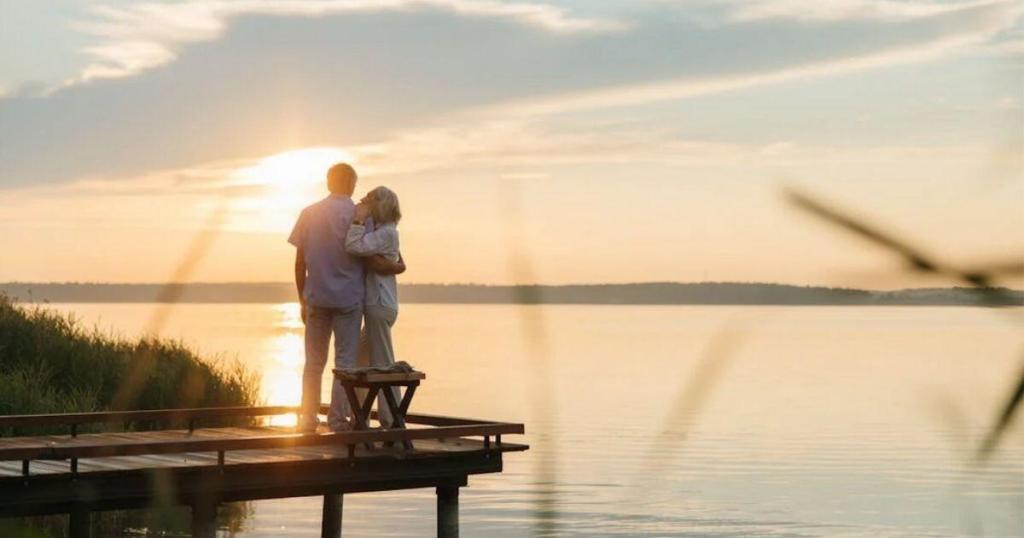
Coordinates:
column 341, row 179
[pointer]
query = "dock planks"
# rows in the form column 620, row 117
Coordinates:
column 13, row 469
column 202, row 467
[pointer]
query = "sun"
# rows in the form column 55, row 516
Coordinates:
column 275, row 188
column 295, row 168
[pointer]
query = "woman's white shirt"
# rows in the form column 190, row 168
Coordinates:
column 383, row 240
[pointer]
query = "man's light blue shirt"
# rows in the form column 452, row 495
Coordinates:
column 334, row 278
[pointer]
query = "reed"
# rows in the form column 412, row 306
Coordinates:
column 50, row 363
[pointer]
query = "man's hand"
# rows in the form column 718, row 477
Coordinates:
column 400, row 265
column 383, row 266
column 302, row 311
column 362, row 212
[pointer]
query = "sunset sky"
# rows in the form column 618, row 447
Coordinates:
column 554, row 142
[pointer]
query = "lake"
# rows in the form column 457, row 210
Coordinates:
column 676, row 420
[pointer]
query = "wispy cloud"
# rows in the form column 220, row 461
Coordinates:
column 817, row 11
column 1005, row 47
column 146, row 35
column 990, row 22
column 503, row 144
column 529, row 144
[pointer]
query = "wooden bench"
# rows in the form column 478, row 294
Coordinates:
column 376, row 383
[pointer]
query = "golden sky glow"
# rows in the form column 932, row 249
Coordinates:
column 282, row 184
column 662, row 158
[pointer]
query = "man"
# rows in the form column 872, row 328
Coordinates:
column 330, row 286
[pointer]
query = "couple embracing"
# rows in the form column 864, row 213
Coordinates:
column 345, row 265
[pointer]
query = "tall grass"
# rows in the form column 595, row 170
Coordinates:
column 49, row 363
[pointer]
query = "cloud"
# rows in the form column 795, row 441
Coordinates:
column 1011, row 47
column 518, row 148
column 248, row 84
column 550, row 150
column 1007, row 103
column 688, row 87
column 816, row 11
column 516, row 144
column 147, row 35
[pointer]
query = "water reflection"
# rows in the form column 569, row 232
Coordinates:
column 282, row 376
column 290, row 316
column 829, row 428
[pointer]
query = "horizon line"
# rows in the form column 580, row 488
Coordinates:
column 520, row 285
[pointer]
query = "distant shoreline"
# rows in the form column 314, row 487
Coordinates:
column 653, row 293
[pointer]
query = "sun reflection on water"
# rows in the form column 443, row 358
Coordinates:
column 282, row 378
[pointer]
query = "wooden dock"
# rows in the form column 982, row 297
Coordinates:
column 201, row 467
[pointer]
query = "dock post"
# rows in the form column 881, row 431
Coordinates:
column 204, row 519
column 79, row 523
column 330, row 526
column 448, row 512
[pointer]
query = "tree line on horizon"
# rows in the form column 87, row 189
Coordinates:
column 654, row 293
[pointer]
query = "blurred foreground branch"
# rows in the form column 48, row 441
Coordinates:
column 982, row 277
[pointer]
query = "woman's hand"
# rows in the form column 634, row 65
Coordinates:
column 362, row 212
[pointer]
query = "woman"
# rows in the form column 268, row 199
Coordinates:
column 380, row 309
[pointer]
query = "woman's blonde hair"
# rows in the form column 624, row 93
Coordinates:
column 385, row 206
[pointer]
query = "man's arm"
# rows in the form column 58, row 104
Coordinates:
column 300, row 279
column 383, row 266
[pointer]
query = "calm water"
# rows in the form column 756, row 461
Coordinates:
column 677, row 421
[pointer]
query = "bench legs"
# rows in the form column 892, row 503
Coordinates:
column 398, row 410
column 362, row 403
column 330, row 526
column 448, row 512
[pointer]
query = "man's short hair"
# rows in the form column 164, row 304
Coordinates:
column 341, row 179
